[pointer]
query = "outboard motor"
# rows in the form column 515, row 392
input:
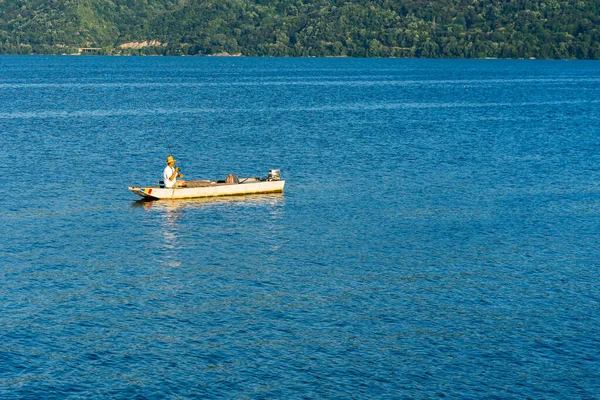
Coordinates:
column 274, row 175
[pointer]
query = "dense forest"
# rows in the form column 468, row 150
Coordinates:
column 359, row 28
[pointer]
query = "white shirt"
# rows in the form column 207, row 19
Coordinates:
column 167, row 174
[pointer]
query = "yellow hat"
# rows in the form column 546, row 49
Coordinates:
column 170, row 160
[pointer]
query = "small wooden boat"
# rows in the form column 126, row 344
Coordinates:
column 233, row 186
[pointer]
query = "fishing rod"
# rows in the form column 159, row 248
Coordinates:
column 166, row 137
column 180, row 173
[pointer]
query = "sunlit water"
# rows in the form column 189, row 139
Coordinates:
column 438, row 235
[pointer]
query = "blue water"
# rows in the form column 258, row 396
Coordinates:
column 438, row 235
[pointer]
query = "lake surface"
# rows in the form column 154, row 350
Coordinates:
column 438, row 235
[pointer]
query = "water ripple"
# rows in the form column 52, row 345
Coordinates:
column 437, row 236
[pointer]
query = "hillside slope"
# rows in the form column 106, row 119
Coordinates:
column 360, row 28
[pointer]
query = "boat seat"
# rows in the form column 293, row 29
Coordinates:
column 232, row 178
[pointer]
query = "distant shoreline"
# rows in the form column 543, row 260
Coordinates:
column 239, row 55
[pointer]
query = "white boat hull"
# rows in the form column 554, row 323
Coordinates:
column 211, row 190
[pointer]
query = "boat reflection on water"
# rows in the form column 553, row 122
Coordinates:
column 176, row 220
column 246, row 200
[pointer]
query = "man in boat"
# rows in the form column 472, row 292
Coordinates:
column 171, row 173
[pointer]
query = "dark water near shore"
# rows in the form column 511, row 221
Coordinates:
column 438, row 235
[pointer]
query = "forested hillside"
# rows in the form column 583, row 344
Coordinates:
column 359, row 28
